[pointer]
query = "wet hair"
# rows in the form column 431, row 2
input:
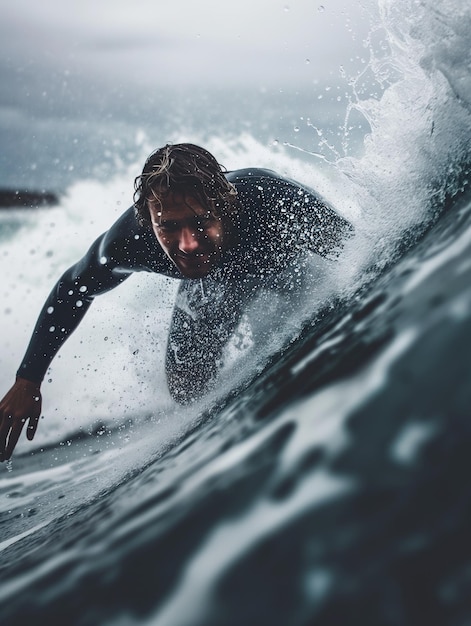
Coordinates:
column 189, row 170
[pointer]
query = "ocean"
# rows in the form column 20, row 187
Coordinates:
column 324, row 480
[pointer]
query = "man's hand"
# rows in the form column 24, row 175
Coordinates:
column 22, row 403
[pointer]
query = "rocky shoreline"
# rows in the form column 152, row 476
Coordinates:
column 20, row 198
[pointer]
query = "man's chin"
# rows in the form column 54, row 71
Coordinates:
column 195, row 273
column 196, row 270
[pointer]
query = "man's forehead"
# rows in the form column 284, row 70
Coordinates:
column 177, row 206
column 171, row 195
column 172, row 199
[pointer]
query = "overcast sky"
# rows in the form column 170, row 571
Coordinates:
column 184, row 41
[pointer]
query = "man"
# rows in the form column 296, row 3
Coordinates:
column 227, row 236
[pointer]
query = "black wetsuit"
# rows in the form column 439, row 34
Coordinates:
column 280, row 222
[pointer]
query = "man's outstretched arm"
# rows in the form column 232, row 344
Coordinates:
column 62, row 312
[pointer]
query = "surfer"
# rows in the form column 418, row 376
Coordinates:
column 226, row 235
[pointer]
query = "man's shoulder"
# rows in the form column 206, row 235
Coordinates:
column 132, row 246
column 122, row 233
column 249, row 175
column 268, row 184
column 279, row 209
column 262, row 187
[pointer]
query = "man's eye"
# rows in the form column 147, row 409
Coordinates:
column 168, row 227
column 202, row 223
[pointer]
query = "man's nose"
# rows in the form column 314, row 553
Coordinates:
column 188, row 241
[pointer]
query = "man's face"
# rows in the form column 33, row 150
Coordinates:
column 189, row 234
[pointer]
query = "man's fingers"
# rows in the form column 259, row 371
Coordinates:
column 32, row 427
column 5, row 426
column 21, row 405
column 15, row 433
column 10, row 431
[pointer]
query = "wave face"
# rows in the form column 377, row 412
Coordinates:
column 325, row 481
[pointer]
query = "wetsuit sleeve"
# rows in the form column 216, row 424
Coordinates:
column 109, row 261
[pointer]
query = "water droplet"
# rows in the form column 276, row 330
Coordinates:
column 50, row 309
column 275, row 142
column 70, row 292
column 79, row 303
column 103, row 260
column 308, row 61
column 83, row 289
column 286, row 8
column 296, row 129
column 321, row 8
column 52, row 329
